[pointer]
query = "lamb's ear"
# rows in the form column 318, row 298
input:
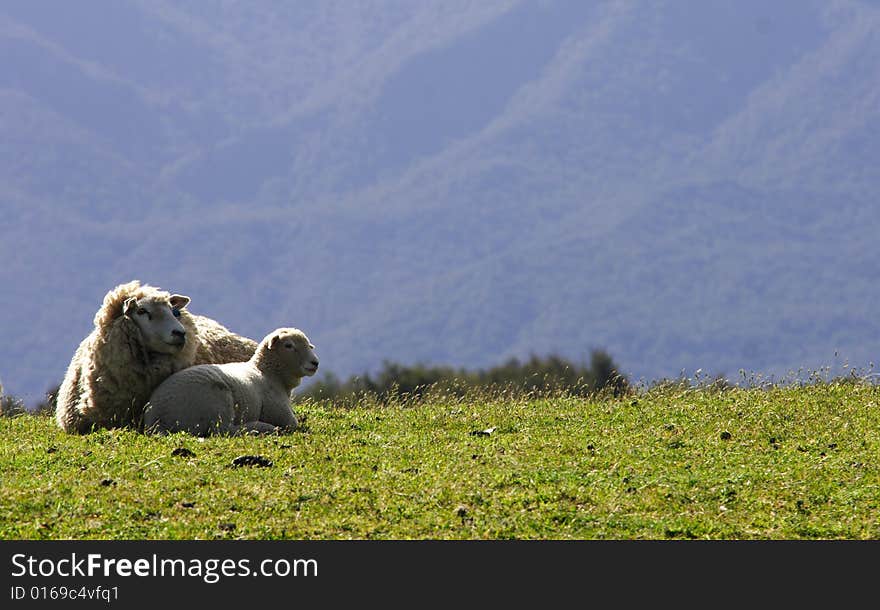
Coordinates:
column 129, row 306
column 179, row 301
column 273, row 340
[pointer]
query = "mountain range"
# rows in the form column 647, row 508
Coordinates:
column 685, row 185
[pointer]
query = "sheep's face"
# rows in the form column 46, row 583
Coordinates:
column 294, row 349
column 157, row 320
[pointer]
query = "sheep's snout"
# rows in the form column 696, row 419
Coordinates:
column 178, row 336
column 311, row 367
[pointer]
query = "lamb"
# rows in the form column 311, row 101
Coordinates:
column 142, row 335
column 250, row 397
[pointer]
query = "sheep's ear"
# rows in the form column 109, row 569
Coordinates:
column 129, row 306
column 179, row 301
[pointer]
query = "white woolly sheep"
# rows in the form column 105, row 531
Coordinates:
column 142, row 335
column 235, row 398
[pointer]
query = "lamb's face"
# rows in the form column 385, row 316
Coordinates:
column 294, row 349
column 157, row 320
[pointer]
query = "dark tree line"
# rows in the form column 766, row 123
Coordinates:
column 537, row 375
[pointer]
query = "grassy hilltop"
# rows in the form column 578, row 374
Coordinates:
column 673, row 461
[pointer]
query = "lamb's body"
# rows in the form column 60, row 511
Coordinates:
column 252, row 396
column 115, row 368
column 230, row 398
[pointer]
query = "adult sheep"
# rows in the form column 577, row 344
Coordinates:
column 142, row 335
column 235, row 398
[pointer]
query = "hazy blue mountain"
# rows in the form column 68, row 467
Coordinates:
column 686, row 184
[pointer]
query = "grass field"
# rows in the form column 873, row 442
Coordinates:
column 669, row 462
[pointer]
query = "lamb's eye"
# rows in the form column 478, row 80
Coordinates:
column 175, row 312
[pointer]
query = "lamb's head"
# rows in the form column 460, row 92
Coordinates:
column 290, row 351
column 156, row 317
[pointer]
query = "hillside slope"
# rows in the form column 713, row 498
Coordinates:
column 685, row 186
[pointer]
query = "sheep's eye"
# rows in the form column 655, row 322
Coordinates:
column 141, row 312
column 175, row 312
column 288, row 345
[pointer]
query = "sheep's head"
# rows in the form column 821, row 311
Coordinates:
column 157, row 319
column 293, row 350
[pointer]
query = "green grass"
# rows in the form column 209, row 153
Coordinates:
column 671, row 462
